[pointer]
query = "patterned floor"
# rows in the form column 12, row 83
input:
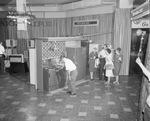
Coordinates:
column 19, row 101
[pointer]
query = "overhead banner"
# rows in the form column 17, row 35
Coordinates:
column 141, row 23
column 86, row 23
column 141, row 10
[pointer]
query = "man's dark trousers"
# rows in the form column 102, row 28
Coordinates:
column 1, row 64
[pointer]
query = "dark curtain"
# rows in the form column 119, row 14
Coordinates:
column 145, row 86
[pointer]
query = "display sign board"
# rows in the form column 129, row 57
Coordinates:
column 86, row 23
column 141, row 23
column 141, row 11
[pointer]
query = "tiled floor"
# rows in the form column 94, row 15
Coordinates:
column 19, row 101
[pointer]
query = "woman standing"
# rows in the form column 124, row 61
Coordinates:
column 92, row 58
column 118, row 58
column 109, row 66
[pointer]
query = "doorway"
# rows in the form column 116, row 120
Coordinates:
column 135, row 44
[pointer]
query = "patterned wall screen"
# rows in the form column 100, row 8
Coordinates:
column 52, row 49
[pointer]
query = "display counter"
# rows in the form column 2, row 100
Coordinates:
column 45, row 55
column 19, row 68
column 53, row 79
column 54, row 75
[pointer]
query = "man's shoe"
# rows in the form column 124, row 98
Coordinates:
column 68, row 92
column 73, row 93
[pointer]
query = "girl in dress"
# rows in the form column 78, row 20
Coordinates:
column 118, row 58
column 109, row 66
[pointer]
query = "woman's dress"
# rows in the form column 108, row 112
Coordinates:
column 109, row 72
column 117, row 64
column 92, row 58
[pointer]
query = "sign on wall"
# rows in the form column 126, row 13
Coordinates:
column 141, row 23
column 141, row 11
column 86, row 23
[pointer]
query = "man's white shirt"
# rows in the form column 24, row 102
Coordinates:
column 102, row 54
column 2, row 50
column 69, row 65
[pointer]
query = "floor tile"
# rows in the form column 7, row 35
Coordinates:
column 97, row 97
column 108, row 93
column 122, row 98
column 84, row 101
column 85, row 92
column 97, row 108
column 87, row 85
column 69, row 106
column 73, row 96
column 63, row 119
column 97, row 89
column 26, row 93
column 127, row 109
column 114, row 116
column 82, row 114
column 31, row 118
column 49, row 95
column 132, row 94
column 42, row 105
column 119, row 90
column 1, row 87
column 15, row 103
column 9, row 97
column 111, row 103
column 22, row 110
column 77, row 88
column 58, row 100
column 4, row 92
column 52, row 112
column 33, row 98
column 128, row 87
column 2, row 116
column 20, row 89
column 15, row 85
column 97, row 83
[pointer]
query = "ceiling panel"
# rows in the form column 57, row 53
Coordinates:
column 38, row 2
column 58, row 2
column 51, row 1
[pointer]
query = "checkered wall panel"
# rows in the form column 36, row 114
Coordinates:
column 52, row 49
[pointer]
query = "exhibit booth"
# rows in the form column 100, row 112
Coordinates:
column 44, row 55
column 138, row 13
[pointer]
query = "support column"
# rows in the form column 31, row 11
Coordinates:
column 20, row 6
column 22, row 33
column 126, row 3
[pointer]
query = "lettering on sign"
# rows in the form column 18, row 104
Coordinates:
column 137, row 21
column 144, row 24
column 141, row 23
column 86, row 23
column 137, row 12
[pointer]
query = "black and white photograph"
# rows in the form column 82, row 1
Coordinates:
column 74, row 60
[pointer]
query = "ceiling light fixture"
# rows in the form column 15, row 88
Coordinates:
column 14, row 15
